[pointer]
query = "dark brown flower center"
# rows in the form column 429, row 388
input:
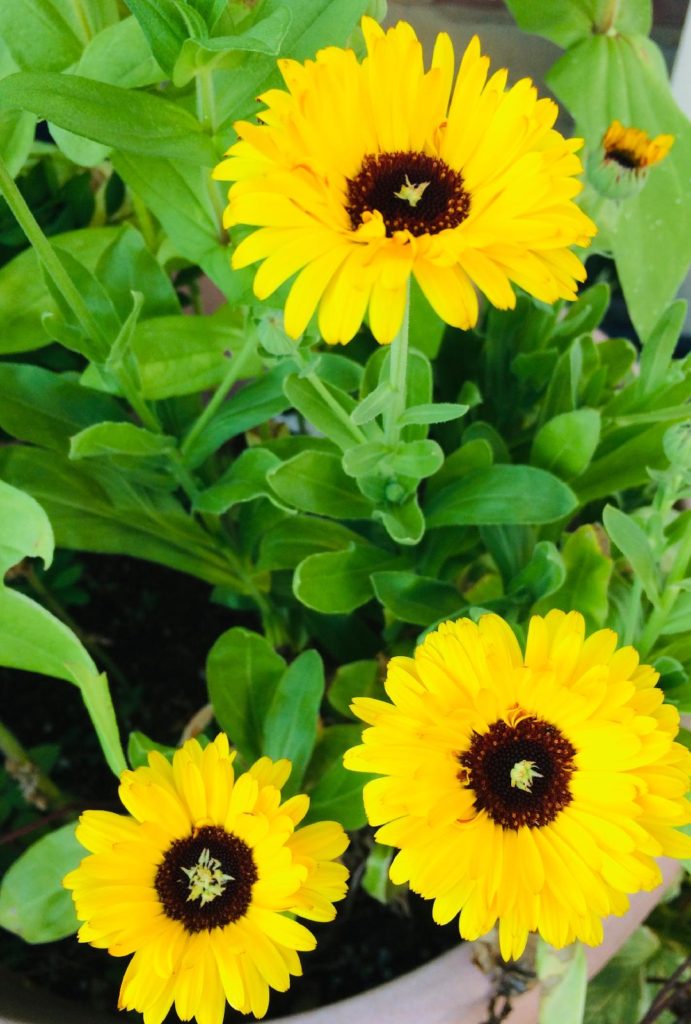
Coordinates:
column 205, row 880
column 625, row 158
column 520, row 773
column 412, row 191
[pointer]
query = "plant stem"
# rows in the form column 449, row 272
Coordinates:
column 206, row 99
column 335, row 406
column 49, row 258
column 25, row 767
column 237, row 364
column 398, row 373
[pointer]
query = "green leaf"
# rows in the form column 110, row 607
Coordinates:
column 24, row 297
column 254, row 403
column 585, row 314
column 625, row 465
column 338, row 371
column 658, row 349
column 127, row 266
column 308, row 400
column 564, row 978
column 290, row 727
column 94, row 509
column 181, row 355
column 285, row 545
column 433, row 412
column 375, row 880
column 372, row 406
column 356, row 679
column 417, row 599
column 634, row 545
column 574, row 20
column 119, row 54
column 679, row 618
column 314, row 481
column 47, row 408
column 33, row 902
column 244, row 480
column 16, row 138
column 40, row 34
column 140, row 746
column 544, row 573
column 164, row 27
column 243, row 673
column 417, row 459
column 26, row 531
column 106, row 322
column 622, row 76
column 264, row 37
column 34, row 640
column 617, row 993
column 566, row 444
column 475, row 454
column 587, row 578
column 336, row 794
column 178, row 195
column 135, row 122
column 404, row 523
column 119, row 439
column 501, row 494
column 339, row 581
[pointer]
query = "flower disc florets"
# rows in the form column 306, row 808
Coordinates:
column 534, row 790
column 198, row 883
column 361, row 175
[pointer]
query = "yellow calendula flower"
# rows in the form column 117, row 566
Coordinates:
column 201, row 883
column 363, row 174
column 619, row 168
column 534, row 790
column 632, row 148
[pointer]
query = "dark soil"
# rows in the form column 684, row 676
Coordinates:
column 157, row 626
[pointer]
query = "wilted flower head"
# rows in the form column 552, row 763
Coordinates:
column 363, row 174
column 534, row 790
column 202, row 881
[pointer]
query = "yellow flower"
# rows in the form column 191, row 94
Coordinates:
column 534, row 790
column 632, row 148
column 363, row 174
column 200, row 881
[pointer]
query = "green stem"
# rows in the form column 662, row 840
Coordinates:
column 24, row 768
column 398, row 372
column 632, row 612
column 335, row 406
column 206, row 99
column 237, row 365
column 48, row 257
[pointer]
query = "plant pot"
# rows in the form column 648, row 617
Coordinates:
column 448, row 990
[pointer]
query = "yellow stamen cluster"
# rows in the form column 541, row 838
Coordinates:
column 206, row 880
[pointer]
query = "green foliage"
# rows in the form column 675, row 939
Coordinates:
column 33, row 639
column 339, row 501
column 33, row 902
column 588, row 571
column 501, row 494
